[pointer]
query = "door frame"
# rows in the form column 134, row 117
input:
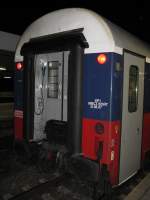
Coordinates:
column 74, row 42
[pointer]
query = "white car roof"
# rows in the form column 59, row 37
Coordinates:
column 101, row 34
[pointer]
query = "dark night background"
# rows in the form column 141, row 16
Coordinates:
column 133, row 16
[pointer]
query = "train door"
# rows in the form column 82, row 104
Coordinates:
column 51, row 84
column 132, row 115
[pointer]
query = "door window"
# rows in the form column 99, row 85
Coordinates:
column 133, row 88
column 53, row 73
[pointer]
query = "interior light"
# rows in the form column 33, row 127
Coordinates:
column 101, row 58
column 19, row 66
column 7, row 77
column 2, row 68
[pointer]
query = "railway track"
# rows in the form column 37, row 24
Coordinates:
column 30, row 181
column 40, row 191
column 32, row 184
column 55, row 189
column 62, row 188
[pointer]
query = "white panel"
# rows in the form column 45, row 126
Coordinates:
column 65, row 84
column 101, row 34
column 95, row 31
column 131, row 135
column 128, row 41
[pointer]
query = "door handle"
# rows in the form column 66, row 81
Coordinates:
column 138, row 131
column 60, row 87
column 59, row 90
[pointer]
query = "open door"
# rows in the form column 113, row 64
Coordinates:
column 51, row 88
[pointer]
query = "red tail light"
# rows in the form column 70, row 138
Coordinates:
column 101, row 58
column 19, row 65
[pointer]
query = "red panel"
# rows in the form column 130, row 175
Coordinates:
column 18, row 125
column 115, row 147
column 90, row 138
column 146, row 134
column 111, row 144
column 18, row 128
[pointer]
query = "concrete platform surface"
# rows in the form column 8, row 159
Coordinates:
column 141, row 191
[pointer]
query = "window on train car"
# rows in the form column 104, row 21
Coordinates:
column 6, row 77
column 53, row 76
column 133, row 88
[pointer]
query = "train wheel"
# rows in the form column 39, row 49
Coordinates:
column 103, row 188
column 146, row 162
column 102, row 191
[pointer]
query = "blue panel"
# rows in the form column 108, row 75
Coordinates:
column 18, row 90
column 147, row 88
column 117, row 88
column 104, row 85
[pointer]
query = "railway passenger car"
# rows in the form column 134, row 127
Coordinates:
column 8, row 42
column 86, row 83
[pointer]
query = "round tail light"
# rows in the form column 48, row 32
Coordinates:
column 101, row 58
column 19, row 65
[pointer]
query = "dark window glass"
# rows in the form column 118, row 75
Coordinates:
column 6, row 76
column 133, row 88
column 53, row 73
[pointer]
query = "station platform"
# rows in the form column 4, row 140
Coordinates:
column 141, row 191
